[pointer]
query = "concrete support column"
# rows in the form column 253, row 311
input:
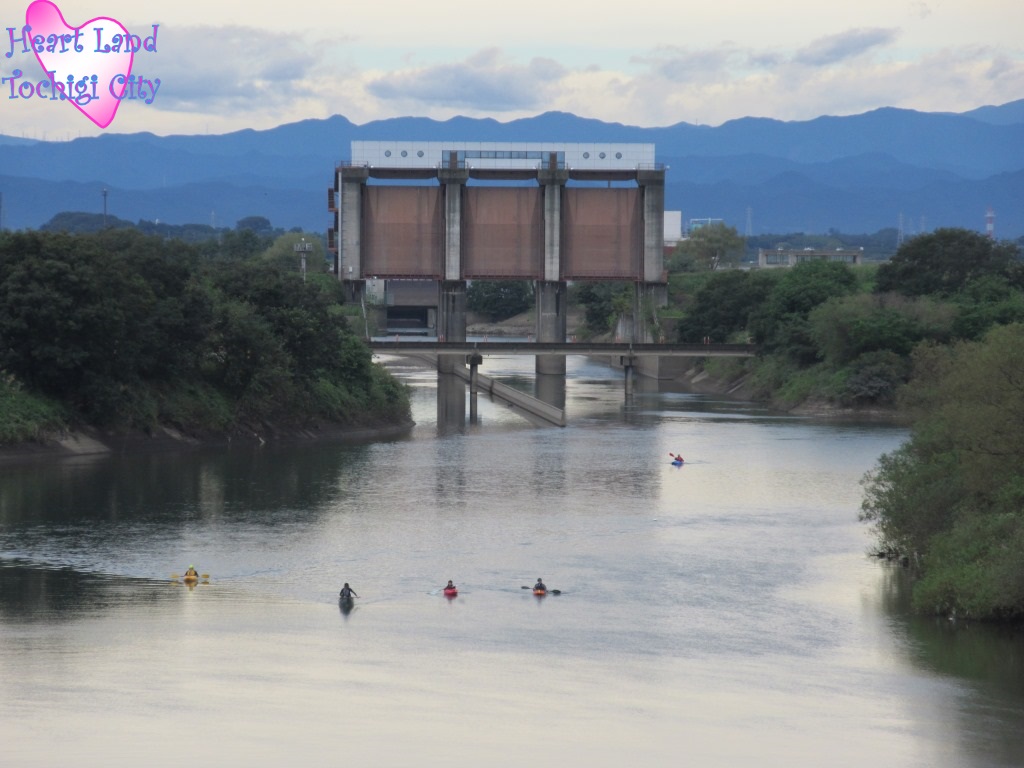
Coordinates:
column 550, row 390
column 453, row 184
column 552, row 187
column 351, row 182
column 451, row 320
column 451, row 404
column 652, row 187
column 474, row 363
column 653, row 292
column 551, row 305
column 628, row 364
column 551, row 299
column 355, row 292
column 451, row 304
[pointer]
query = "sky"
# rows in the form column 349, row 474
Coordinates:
column 225, row 65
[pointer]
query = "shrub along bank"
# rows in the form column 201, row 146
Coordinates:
column 125, row 331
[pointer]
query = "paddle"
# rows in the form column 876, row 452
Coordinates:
column 177, row 576
column 550, row 591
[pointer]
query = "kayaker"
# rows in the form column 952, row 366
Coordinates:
column 449, row 585
column 539, row 586
column 347, row 592
column 191, row 573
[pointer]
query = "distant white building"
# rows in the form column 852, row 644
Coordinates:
column 696, row 224
column 787, row 257
column 496, row 155
column 673, row 228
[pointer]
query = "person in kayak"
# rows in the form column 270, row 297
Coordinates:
column 449, row 585
column 347, row 593
column 191, row 573
column 540, row 586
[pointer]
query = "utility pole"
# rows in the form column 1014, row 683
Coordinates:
column 302, row 249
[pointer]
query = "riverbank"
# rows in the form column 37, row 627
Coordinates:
column 86, row 440
column 693, row 376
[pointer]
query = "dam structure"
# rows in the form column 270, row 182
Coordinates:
column 546, row 212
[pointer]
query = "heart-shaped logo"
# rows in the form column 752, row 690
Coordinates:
column 93, row 80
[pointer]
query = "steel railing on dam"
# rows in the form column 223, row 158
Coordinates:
column 406, row 347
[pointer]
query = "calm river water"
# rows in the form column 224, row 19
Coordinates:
column 722, row 613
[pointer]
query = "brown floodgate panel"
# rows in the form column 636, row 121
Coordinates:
column 402, row 231
column 602, row 234
column 502, row 233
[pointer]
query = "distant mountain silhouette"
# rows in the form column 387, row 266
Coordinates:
column 853, row 174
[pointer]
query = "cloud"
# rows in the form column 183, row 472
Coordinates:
column 485, row 81
column 234, row 68
column 833, row 49
column 680, row 65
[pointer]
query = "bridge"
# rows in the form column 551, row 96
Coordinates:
column 613, row 349
column 452, row 357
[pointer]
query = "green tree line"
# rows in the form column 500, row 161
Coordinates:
column 126, row 330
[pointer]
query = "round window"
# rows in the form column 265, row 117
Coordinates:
column 404, row 153
column 601, row 155
column 586, row 155
column 618, row 155
column 420, row 153
column 387, row 153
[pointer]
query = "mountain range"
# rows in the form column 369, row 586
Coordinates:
column 854, row 174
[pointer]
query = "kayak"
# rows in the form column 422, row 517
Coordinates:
column 451, row 592
column 190, row 579
column 677, row 463
column 540, row 592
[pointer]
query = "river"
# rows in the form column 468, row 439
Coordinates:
column 721, row 613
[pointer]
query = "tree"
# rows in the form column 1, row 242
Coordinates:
column 259, row 225
column 847, row 327
column 87, row 318
column 945, row 261
column 499, row 299
column 781, row 323
column 712, row 246
column 723, row 306
column 77, row 223
column 603, row 303
column 952, row 498
column 132, row 330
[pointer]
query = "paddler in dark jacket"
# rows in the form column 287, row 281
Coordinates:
column 347, row 592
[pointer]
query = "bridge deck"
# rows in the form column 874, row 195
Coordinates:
column 406, row 347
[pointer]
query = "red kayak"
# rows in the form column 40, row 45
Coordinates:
column 540, row 592
column 451, row 591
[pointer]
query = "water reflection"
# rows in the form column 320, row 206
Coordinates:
column 169, row 485
column 29, row 593
column 346, row 606
column 978, row 651
column 989, row 656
